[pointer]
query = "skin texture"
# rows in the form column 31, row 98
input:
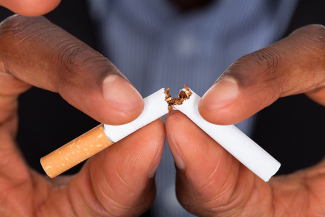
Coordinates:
column 293, row 65
column 33, row 51
column 42, row 54
column 210, row 182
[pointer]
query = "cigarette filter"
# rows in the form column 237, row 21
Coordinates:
column 75, row 151
column 233, row 140
column 101, row 137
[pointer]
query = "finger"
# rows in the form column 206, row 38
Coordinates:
column 118, row 181
column 291, row 66
column 210, row 181
column 37, row 52
column 318, row 95
column 10, row 88
column 30, row 7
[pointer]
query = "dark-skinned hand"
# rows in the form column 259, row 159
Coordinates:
column 211, row 182
column 116, row 182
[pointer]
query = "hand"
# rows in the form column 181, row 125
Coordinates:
column 30, row 7
column 116, row 182
column 210, row 182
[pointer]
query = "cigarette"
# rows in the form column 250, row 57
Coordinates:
column 229, row 137
column 102, row 137
column 233, row 140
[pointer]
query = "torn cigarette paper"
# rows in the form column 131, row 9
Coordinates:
column 155, row 106
column 233, row 140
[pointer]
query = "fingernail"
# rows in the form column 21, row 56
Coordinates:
column 121, row 94
column 155, row 163
column 220, row 94
column 176, row 152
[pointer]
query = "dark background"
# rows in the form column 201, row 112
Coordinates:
column 291, row 129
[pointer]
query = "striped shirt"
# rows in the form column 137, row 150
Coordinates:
column 156, row 46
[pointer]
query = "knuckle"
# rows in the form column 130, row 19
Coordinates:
column 11, row 24
column 39, row 45
column 261, row 71
column 261, row 66
column 268, row 59
column 312, row 29
column 76, row 57
column 81, row 63
column 71, row 57
column 16, row 29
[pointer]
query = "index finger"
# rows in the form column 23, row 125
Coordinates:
column 38, row 52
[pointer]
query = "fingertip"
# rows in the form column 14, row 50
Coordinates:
column 171, row 113
column 121, row 94
column 174, row 119
column 30, row 7
column 123, row 99
column 205, row 170
column 141, row 153
column 185, row 140
column 174, row 125
column 221, row 94
column 234, row 113
column 211, row 116
column 115, row 102
column 216, row 104
column 194, row 152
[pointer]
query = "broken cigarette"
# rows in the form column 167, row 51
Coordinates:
column 230, row 137
column 101, row 137
column 233, row 140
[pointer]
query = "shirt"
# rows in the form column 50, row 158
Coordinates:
column 155, row 46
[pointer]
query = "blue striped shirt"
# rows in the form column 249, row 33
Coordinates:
column 155, row 46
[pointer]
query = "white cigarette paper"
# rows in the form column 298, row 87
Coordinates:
column 154, row 107
column 93, row 141
column 233, row 140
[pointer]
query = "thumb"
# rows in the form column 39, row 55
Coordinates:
column 37, row 52
column 291, row 66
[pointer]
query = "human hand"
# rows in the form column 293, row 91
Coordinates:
column 211, row 182
column 115, row 182
column 30, row 7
